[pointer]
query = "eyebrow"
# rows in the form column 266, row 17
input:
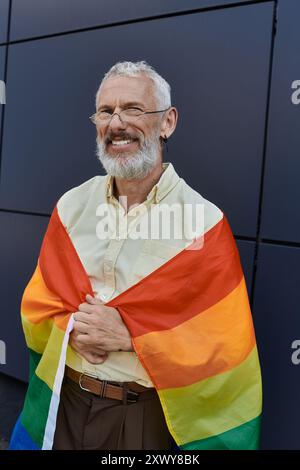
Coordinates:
column 128, row 103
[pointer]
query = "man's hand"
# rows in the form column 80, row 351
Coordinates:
column 97, row 330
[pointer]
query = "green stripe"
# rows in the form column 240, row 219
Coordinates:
column 34, row 359
column 244, row 437
column 36, row 407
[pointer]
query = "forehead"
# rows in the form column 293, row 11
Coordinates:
column 119, row 90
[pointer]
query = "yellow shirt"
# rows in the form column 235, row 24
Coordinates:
column 115, row 262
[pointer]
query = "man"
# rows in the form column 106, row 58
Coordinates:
column 130, row 150
column 144, row 370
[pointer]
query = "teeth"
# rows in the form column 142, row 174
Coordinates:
column 121, row 142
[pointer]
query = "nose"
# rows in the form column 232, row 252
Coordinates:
column 116, row 122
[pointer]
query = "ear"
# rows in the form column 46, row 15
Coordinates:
column 169, row 123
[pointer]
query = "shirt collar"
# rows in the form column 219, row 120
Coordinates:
column 168, row 179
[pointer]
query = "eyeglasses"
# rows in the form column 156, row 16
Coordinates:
column 126, row 115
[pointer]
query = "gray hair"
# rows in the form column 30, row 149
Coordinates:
column 133, row 69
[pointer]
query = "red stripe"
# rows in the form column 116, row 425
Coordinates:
column 184, row 286
column 61, row 266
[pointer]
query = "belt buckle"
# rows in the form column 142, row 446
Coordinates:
column 80, row 384
column 103, row 385
column 134, row 396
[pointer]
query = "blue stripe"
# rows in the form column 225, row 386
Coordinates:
column 20, row 439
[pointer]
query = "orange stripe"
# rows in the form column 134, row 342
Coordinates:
column 212, row 342
column 199, row 278
column 62, row 320
column 38, row 302
column 59, row 283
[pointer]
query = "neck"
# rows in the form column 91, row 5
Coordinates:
column 137, row 189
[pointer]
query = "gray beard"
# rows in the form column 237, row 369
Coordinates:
column 130, row 165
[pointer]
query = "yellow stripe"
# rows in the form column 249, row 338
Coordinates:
column 48, row 364
column 37, row 334
column 214, row 405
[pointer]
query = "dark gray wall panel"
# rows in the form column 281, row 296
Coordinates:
column 36, row 17
column 12, row 394
column 247, row 249
column 217, row 147
column 4, row 4
column 219, row 142
column 20, row 239
column 276, row 314
column 281, row 214
column 2, row 62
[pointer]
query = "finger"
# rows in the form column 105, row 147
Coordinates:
column 84, row 339
column 86, row 342
column 81, row 327
column 82, row 317
column 85, row 307
column 92, row 300
column 86, row 349
column 94, row 358
column 98, row 350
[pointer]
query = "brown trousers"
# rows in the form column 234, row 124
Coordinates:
column 86, row 421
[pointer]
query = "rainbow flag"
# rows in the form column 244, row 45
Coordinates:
column 191, row 327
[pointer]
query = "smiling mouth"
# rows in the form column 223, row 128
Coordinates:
column 122, row 144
